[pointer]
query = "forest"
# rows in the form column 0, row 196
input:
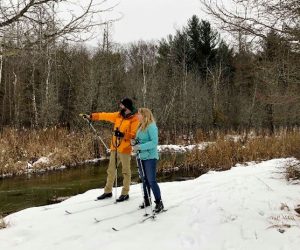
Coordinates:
column 193, row 79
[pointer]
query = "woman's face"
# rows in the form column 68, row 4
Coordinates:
column 139, row 116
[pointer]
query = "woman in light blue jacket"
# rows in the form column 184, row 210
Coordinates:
column 146, row 147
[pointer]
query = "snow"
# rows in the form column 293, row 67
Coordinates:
column 42, row 160
column 181, row 148
column 247, row 207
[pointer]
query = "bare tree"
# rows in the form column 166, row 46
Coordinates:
column 140, row 62
column 29, row 32
column 257, row 17
column 73, row 18
column 216, row 78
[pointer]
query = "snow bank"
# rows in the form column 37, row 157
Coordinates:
column 244, row 208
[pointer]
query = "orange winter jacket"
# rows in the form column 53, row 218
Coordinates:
column 127, row 125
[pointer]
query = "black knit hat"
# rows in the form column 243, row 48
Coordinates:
column 127, row 102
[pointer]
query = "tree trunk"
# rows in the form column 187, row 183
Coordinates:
column 15, row 98
column 270, row 118
column 249, row 123
column 34, row 104
column 1, row 63
column 144, row 89
column 1, row 68
column 48, row 80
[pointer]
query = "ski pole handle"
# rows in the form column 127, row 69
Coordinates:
column 85, row 116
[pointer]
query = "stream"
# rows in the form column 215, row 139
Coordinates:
column 20, row 192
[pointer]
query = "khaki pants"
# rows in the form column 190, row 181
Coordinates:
column 111, row 172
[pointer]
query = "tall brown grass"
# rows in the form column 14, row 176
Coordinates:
column 20, row 147
column 225, row 153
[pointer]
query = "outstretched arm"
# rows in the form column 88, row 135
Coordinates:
column 110, row 117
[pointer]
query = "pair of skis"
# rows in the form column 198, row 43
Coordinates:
column 146, row 218
column 97, row 220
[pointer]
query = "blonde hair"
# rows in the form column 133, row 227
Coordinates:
column 147, row 118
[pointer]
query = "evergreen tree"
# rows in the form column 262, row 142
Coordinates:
column 194, row 37
column 209, row 39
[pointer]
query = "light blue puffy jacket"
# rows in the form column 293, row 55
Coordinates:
column 148, row 141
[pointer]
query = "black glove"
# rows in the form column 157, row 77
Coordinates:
column 118, row 133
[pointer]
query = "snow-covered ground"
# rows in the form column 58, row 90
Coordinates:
column 244, row 208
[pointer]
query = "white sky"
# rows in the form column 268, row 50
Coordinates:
column 151, row 19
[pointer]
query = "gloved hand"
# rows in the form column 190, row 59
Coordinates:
column 134, row 142
column 85, row 116
column 118, row 134
column 136, row 148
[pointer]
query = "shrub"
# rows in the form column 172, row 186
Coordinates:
column 20, row 148
column 226, row 153
column 293, row 172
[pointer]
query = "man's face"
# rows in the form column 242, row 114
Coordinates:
column 122, row 107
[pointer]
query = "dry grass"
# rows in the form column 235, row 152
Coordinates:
column 293, row 172
column 20, row 147
column 3, row 224
column 225, row 153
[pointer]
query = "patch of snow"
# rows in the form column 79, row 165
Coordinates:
column 42, row 160
column 182, row 148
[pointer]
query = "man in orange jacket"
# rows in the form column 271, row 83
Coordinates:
column 125, row 127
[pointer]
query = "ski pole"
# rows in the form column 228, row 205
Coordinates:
column 116, row 176
column 84, row 116
column 142, row 181
column 142, row 177
column 118, row 136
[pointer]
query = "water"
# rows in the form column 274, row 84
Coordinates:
column 21, row 192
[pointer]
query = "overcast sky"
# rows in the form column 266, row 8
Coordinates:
column 151, row 19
